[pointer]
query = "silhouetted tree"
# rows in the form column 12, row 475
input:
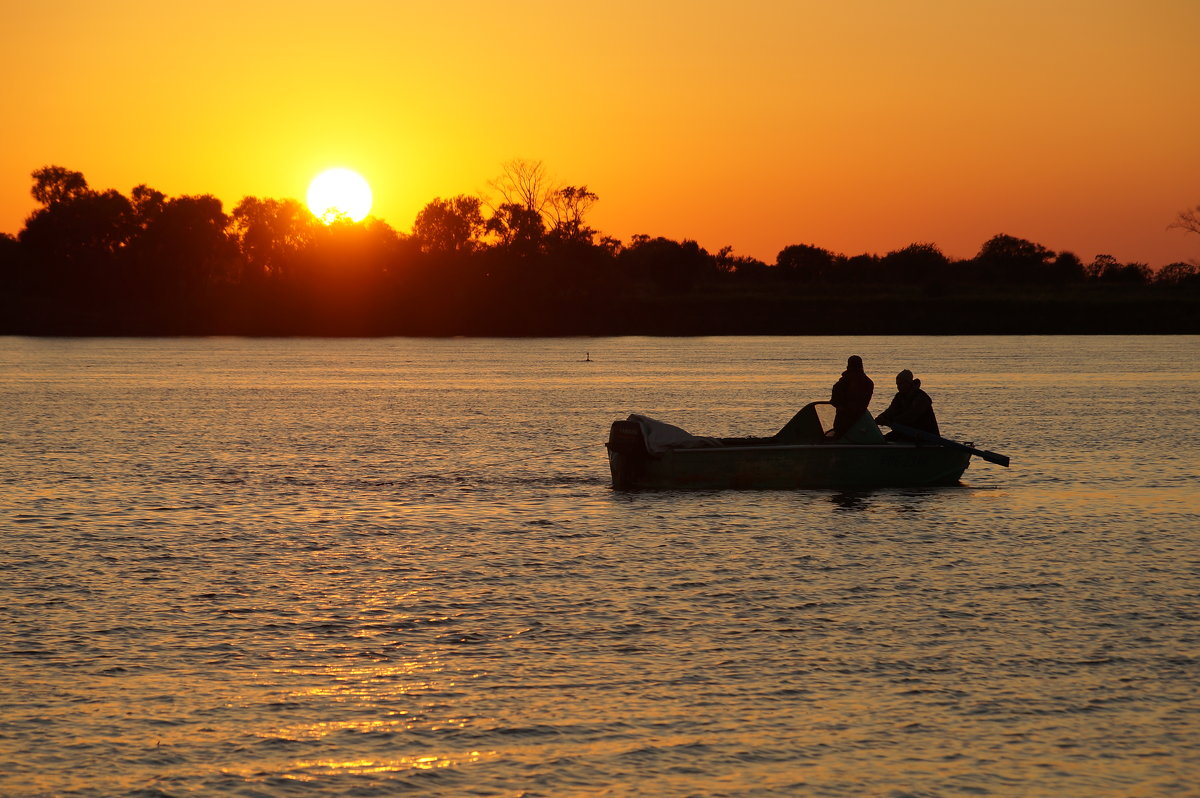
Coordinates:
column 1188, row 221
column 186, row 242
column 1130, row 273
column 271, row 233
column 672, row 266
column 805, row 263
column 56, row 184
column 10, row 255
column 740, row 267
column 568, row 208
column 79, row 233
column 1066, row 268
column 1138, row 273
column 147, row 205
column 915, row 264
column 518, row 229
column 610, row 245
column 524, row 183
column 1005, row 258
column 1100, row 265
column 447, row 226
column 863, row 268
column 1177, row 274
column 1107, row 269
column 354, row 253
column 532, row 207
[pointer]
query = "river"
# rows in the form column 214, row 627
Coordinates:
column 269, row 567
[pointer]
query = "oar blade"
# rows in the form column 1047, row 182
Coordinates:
column 992, row 457
column 929, row 437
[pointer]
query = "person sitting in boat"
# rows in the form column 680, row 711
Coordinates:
column 911, row 407
column 851, row 396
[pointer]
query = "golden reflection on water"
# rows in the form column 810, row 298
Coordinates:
column 383, row 682
column 306, row 770
column 390, row 688
column 317, row 731
column 328, row 767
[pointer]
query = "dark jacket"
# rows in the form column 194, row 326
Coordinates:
column 912, row 408
column 851, row 396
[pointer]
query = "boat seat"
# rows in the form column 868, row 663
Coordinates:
column 863, row 431
column 804, row 428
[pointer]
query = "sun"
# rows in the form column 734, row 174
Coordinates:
column 339, row 192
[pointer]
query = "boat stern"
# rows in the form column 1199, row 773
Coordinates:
column 627, row 453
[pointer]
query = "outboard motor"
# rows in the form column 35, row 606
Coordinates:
column 626, row 452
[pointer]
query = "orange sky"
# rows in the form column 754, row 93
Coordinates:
column 859, row 126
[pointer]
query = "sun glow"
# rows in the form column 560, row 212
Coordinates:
column 337, row 193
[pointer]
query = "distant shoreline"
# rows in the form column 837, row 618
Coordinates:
column 1139, row 311
column 98, row 263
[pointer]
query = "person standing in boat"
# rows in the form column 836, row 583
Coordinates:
column 851, row 396
column 910, row 406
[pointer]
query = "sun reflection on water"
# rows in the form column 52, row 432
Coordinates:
column 325, row 767
column 313, row 769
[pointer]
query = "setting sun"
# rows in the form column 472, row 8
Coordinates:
column 339, row 192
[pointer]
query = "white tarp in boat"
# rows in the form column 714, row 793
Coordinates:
column 661, row 436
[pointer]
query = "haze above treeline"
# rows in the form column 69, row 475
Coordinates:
column 524, row 260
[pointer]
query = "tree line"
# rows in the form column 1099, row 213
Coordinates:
column 523, row 260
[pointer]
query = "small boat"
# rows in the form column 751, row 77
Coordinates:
column 645, row 453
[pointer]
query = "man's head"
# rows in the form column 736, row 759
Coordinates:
column 904, row 380
column 854, row 363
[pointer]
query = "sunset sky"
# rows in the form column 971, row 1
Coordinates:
column 859, row 126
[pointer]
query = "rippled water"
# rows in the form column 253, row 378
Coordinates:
column 294, row 567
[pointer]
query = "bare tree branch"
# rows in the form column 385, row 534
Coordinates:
column 524, row 183
column 1188, row 221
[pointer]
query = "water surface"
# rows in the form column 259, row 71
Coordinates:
column 347, row 567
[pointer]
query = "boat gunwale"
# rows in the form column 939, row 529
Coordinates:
column 784, row 446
